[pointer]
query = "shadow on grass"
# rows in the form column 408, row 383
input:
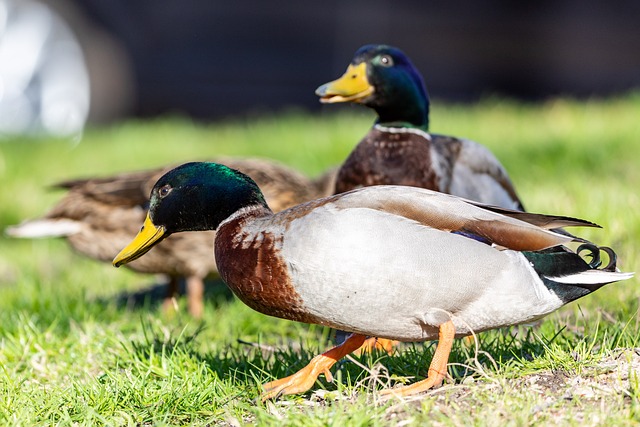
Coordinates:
column 254, row 364
column 152, row 296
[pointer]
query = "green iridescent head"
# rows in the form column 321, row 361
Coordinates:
column 191, row 197
column 383, row 78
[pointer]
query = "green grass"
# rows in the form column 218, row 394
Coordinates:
column 70, row 353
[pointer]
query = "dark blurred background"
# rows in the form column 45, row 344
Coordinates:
column 211, row 59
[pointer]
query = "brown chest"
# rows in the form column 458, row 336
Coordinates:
column 385, row 158
column 251, row 265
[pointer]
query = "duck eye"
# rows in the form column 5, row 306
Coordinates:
column 386, row 61
column 164, row 191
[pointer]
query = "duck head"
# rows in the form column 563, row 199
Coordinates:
column 192, row 197
column 383, row 78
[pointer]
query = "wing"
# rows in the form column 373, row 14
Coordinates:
column 541, row 220
column 282, row 186
column 126, row 189
column 516, row 231
column 478, row 175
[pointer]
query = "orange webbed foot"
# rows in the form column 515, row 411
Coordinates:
column 304, row 379
column 437, row 369
column 299, row 382
column 378, row 344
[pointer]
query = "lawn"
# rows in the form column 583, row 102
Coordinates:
column 75, row 349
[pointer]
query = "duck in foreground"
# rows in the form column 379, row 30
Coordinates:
column 396, row 262
column 98, row 216
column 399, row 150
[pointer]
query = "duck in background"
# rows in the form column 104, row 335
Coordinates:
column 397, row 262
column 98, row 216
column 399, row 150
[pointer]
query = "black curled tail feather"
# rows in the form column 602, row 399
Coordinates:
column 569, row 275
column 594, row 253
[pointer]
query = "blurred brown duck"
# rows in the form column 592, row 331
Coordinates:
column 98, row 217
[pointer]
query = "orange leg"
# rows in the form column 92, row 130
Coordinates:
column 169, row 304
column 380, row 344
column 195, row 294
column 437, row 369
column 302, row 380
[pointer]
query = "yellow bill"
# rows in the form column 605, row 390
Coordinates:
column 149, row 235
column 352, row 86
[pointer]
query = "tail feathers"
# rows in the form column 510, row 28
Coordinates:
column 43, row 228
column 589, row 278
column 562, row 266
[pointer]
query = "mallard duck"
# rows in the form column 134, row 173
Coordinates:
column 98, row 217
column 396, row 262
column 399, row 150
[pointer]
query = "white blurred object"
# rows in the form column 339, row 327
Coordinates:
column 44, row 84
